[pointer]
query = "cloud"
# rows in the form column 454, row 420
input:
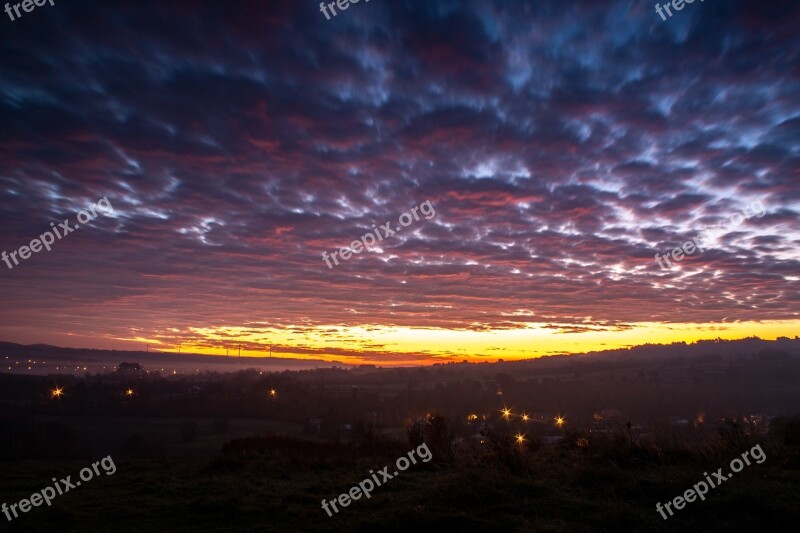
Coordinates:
column 561, row 145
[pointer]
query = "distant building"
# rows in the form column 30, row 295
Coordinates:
column 129, row 368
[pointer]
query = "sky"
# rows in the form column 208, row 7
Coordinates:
column 561, row 145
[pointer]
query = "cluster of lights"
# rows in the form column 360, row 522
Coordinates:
column 43, row 365
column 507, row 415
column 520, row 437
column 57, row 392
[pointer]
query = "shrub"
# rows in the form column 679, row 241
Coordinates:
column 434, row 430
column 506, row 454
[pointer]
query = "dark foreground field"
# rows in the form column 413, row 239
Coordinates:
column 277, row 484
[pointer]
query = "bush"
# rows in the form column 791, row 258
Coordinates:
column 435, row 431
column 506, row 454
column 786, row 430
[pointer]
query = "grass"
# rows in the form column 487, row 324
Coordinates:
column 279, row 487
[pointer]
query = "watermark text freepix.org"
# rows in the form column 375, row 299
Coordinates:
column 47, row 238
column 367, row 486
column 27, row 7
column 48, row 494
column 677, row 5
column 701, row 488
column 356, row 247
column 342, row 4
column 702, row 241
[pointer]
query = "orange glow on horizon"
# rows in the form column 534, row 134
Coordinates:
column 411, row 346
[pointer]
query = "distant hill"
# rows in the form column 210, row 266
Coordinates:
column 57, row 353
column 647, row 354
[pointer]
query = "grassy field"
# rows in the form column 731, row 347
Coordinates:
column 103, row 435
column 279, row 487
